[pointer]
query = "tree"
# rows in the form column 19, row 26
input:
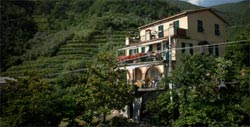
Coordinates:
column 106, row 86
column 37, row 102
column 202, row 98
column 17, row 26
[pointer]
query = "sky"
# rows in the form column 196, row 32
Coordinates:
column 207, row 3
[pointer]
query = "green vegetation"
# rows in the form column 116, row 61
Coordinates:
column 201, row 98
column 237, row 15
column 17, row 27
column 48, row 45
column 34, row 101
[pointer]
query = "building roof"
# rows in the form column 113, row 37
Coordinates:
column 181, row 15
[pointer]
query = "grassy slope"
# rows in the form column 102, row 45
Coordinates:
column 70, row 56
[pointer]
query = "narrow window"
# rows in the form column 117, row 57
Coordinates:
column 216, row 29
column 137, row 50
column 176, row 24
column 200, row 26
column 150, row 48
column 211, row 50
column 143, row 49
column 216, row 50
column 130, row 52
column 191, row 49
column 167, row 54
column 183, row 47
column 160, row 31
column 158, row 46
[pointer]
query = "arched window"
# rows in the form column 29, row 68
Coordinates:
column 138, row 74
column 153, row 73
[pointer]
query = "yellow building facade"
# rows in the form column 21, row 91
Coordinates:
column 146, row 55
column 189, row 32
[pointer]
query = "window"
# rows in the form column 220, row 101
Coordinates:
column 191, row 49
column 211, row 50
column 183, row 47
column 143, row 49
column 136, row 51
column 158, row 46
column 176, row 24
column 150, row 48
column 130, row 52
column 202, row 50
column 200, row 26
column 216, row 29
column 160, row 31
column 216, row 50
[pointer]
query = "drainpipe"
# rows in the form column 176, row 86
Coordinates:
column 170, row 62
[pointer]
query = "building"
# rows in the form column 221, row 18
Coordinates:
column 146, row 55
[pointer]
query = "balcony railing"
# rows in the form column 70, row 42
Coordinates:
column 181, row 32
column 141, row 57
column 148, row 85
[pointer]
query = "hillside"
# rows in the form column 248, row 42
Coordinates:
column 68, row 34
column 51, row 37
column 237, row 15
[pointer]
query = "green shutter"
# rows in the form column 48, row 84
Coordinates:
column 167, row 56
column 137, row 50
column 150, row 48
column 158, row 47
column 216, row 50
column 130, row 52
column 183, row 47
column 176, row 24
column 191, row 49
column 143, row 49
column 160, row 29
column 210, row 50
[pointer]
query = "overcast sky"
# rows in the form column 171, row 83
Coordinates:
column 207, row 3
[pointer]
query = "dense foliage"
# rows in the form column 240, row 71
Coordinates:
column 17, row 26
column 201, row 98
column 36, row 102
column 60, row 39
column 209, row 91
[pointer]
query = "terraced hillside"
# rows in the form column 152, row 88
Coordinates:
column 70, row 57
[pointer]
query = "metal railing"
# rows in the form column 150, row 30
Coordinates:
column 148, row 85
column 177, row 32
column 141, row 57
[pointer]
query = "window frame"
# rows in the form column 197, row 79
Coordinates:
column 158, row 47
column 217, row 29
column 143, row 49
column 176, row 24
column 183, row 46
column 200, row 27
column 160, row 31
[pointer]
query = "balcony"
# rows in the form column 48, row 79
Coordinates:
column 141, row 58
column 148, row 85
column 181, row 32
column 152, row 36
